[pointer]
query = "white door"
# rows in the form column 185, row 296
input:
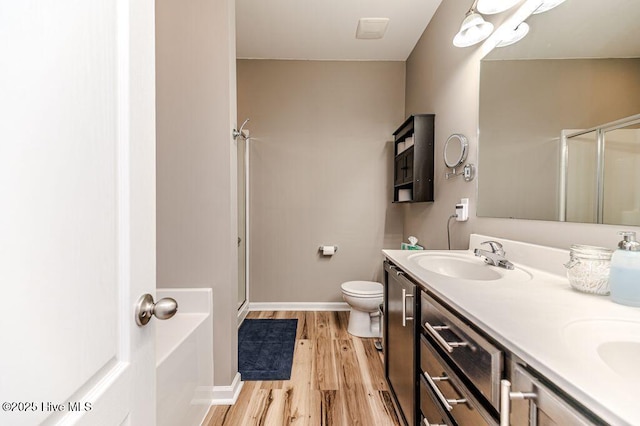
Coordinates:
column 77, row 211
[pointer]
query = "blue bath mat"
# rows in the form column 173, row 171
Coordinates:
column 265, row 348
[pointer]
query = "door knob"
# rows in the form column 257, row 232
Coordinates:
column 163, row 309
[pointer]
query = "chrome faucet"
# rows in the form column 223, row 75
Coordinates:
column 496, row 256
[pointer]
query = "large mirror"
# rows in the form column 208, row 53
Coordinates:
column 576, row 72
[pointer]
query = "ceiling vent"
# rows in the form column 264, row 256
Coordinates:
column 371, row 28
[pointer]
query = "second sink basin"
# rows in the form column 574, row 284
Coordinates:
column 465, row 266
column 614, row 343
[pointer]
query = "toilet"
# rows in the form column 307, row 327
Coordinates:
column 364, row 297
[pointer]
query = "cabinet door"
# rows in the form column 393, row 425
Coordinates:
column 546, row 409
column 408, row 166
column 404, row 168
column 400, row 342
column 400, row 166
column 423, row 173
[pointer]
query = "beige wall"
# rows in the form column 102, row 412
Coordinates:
column 196, row 163
column 320, row 173
column 444, row 80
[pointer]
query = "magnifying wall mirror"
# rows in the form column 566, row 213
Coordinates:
column 455, row 153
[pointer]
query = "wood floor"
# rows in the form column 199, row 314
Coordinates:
column 336, row 379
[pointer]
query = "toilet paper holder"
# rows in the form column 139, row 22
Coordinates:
column 322, row 249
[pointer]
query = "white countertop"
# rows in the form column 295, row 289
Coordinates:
column 539, row 321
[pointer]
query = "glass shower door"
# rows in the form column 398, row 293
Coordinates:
column 580, row 201
column 621, row 199
column 242, row 220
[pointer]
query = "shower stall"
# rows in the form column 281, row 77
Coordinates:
column 242, row 143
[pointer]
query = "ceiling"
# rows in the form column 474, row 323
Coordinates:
column 325, row 29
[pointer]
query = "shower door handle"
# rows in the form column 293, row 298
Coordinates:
column 163, row 309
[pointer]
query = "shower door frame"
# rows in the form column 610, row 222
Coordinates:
column 600, row 132
column 243, row 309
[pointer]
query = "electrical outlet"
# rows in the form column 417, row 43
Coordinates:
column 462, row 210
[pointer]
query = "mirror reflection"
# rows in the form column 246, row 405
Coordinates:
column 577, row 70
column 621, row 180
column 581, row 178
column 455, row 150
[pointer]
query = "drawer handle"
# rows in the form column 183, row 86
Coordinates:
column 448, row 403
column 448, row 346
column 427, row 423
column 505, row 400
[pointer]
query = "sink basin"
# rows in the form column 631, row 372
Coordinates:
column 456, row 267
column 465, row 266
column 614, row 343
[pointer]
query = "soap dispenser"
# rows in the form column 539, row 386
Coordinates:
column 624, row 276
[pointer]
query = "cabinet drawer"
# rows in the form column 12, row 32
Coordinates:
column 449, row 390
column 474, row 355
column 433, row 414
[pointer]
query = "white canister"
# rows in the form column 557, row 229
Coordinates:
column 404, row 195
column 408, row 142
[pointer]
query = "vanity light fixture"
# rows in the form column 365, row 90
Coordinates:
column 547, row 5
column 514, row 36
column 473, row 30
column 490, row 7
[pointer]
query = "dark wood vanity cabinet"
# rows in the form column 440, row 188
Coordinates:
column 413, row 165
column 443, row 370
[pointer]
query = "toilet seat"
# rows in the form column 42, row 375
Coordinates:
column 363, row 289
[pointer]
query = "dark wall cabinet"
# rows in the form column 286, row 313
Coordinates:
column 413, row 167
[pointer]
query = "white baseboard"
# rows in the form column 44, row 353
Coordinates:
column 219, row 395
column 242, row 313
column 299, row 306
